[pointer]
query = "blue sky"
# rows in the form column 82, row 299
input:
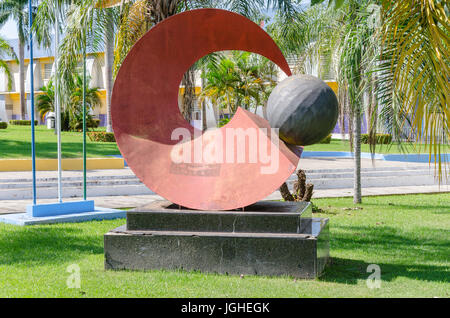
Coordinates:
column 9, row 31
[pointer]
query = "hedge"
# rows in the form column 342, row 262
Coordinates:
column 22, row 122
column 381, row 139
column 101, row 136
column 3, row 125
column 326, row 140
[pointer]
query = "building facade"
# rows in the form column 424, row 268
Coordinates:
column 44, row 68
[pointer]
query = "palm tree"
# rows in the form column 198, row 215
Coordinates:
column 238, row 79
column 45, row 102
column 338, row 36
column 414, row 71
column 17, row 10
column 72, row 114
column 6, row 49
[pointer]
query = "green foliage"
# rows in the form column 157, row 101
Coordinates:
column 238, row 79
column 20, row 122
column 223, row 121
column 3, row 125
column 326, row 140
column 72, row 113
column 101, row 136
column 380, row 139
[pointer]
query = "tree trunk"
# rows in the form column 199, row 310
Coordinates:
column 188, row 101
column 204, row 119
column 285, row 193
column 109, row 62
column 300, row 185
column 357, row 154
column 308, row 192
column 23, row 103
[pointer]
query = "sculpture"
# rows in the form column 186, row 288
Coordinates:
column 164, row 151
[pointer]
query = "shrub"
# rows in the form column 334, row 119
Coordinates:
column 93, row 123
column 326, row 140
column 3, row 125
column 381, row 139
column 18, row 122
column 224, row 121
column 101, row 136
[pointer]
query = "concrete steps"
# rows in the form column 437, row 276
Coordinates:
column 341, row 179
column 127, row 184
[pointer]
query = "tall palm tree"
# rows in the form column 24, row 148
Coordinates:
column 6, row 50
column 17, row 10
column 415, row 71
column 338, row 36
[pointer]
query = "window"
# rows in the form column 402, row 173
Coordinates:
column 48, row 70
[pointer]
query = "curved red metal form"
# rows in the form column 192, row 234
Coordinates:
column 145, row 113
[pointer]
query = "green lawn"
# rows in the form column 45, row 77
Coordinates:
column 407, row 236
column 340, row 145
column 15, row 142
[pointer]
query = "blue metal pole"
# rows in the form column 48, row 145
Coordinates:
column 33, row 146
column 84, row 118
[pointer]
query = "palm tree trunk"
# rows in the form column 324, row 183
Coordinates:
column 204, row 121
column 23, row 104
column 357, row 154
column 189, row 93
column 109, row 62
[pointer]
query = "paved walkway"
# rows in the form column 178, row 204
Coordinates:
column 304, row 163
column 14, row 206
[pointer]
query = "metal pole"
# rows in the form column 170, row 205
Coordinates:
column 33, row 146
column 84, row 116
column 57, row 101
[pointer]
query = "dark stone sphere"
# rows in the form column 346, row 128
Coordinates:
column 304, row 108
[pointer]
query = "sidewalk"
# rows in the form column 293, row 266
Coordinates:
column 308, row 164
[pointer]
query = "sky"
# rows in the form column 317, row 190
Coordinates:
column 9, row 30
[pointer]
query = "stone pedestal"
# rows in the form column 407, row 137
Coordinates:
column 266, row 238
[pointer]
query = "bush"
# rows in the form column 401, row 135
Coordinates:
column 101, row 136
column 18, row 122
column 326, row 140
column 224, row 121
column 3, row 125
column 93, row 123
column 381, row 139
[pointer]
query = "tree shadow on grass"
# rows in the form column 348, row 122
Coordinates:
column 46, row 245
column 409, row 252
column 349, row 271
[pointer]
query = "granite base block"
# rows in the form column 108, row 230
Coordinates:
column 267, row 238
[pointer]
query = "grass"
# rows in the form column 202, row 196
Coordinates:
column 407, row 236
column 15, row 142
column 394, row 148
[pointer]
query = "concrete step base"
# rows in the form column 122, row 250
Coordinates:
column 255, row 245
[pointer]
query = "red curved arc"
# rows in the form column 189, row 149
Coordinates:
column 145, row 108
column 154, row 67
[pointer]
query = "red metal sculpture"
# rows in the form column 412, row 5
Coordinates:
column 148, row 125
